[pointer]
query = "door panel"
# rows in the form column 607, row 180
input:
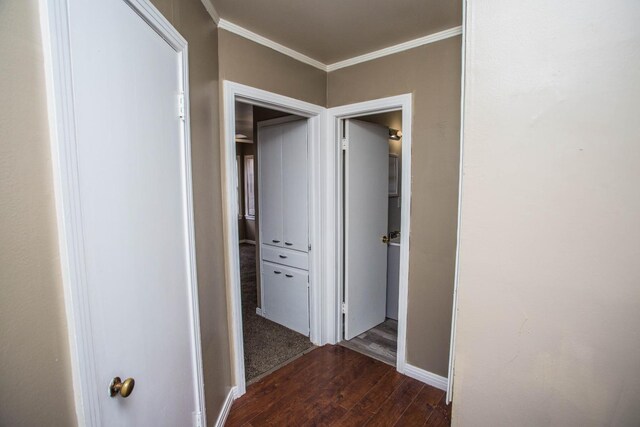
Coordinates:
column 286, row 296
column 134, row 221
column 294, row 184
column 366, row 212
column 270, row 181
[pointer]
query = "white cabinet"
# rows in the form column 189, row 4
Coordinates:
column 284, row 223
column 286, row 296
column 294, row 186
column 282, row 163
column 270, row 182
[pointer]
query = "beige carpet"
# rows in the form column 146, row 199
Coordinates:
column 266, row 343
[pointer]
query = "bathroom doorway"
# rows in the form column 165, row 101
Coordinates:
column 372, row 226
column 372, row 233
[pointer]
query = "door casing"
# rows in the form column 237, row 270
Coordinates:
column 334, row 254
column 57, row 54
column 315, row 115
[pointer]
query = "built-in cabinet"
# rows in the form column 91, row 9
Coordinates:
column 284, row 222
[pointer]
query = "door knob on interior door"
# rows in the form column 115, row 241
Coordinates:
column 385, row 239
column 124, row 388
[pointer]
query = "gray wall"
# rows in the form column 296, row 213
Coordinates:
column 246, row 62
column 432, row 74
column 35, row 370
column 548, row 328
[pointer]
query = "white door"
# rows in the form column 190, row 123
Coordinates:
column 366, row 211
column 294, row 186
column 286, row 296
column 270, row 181
column 132, row 192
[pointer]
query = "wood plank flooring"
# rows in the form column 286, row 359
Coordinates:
column 336, row 386
column 379, row 342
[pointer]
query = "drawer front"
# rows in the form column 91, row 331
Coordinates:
column 285, row 256
column 286, row 296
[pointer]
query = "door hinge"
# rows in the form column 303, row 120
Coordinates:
column 309, row 246
column 198, row 419
column 181, row 105
column 343, row 308
column 345, row 144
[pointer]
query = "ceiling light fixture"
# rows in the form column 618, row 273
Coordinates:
column 395, row 134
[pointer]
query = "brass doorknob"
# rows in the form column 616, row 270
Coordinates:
column 385, row 239
column 124, row 388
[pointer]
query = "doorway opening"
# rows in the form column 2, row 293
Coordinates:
column 272, row 228
column 371, row 143
column 373, row 152
column 271, row 157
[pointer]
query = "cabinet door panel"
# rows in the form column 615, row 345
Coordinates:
column 270, row 181
column 286, row 296
column 295, row 186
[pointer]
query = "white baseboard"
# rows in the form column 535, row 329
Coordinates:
column 250, row 242
column 226, row 407
column 259, row 311
column 426, row 377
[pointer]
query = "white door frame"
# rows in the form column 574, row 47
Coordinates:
column 334, row 208
column 316, row 118
column 62, row 117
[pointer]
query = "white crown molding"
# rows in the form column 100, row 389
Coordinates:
column 212, row 10
column 431, row 38
column 243, row 32
column 250, row 35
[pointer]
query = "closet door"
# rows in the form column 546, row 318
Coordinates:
column 294, row 183
column 286, row 296
column 270, row 180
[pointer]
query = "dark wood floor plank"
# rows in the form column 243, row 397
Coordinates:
column 421, row 408
column 396, row 404
column 438, row 419
column 335, row 386
column 381, row 391
column 366, row 377
column 261, row 396
column 292, row 402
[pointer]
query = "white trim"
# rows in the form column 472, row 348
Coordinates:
column 250, row 35
column 226, row 407
column 259, row 311
column 316, row 118
column 333, row 213
column 278, row 121
column 62, row 117
column 278, row 47
column 426, row 377
column 431, row 38
column 247, row 241
column 208, row 5
column 454, row 311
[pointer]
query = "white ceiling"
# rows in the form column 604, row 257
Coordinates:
column 334, row 30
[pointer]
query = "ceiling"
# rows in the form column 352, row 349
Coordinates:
column 334, row 30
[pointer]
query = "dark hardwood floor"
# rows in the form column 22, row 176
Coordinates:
column 336, row 386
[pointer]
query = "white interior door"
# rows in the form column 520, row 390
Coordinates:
column 132, row 191
column 366, row 212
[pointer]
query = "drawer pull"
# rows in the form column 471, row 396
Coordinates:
column 288, row 243
column 276, row 241
column 289, row 275
column 277, row 272
column 282, row 256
